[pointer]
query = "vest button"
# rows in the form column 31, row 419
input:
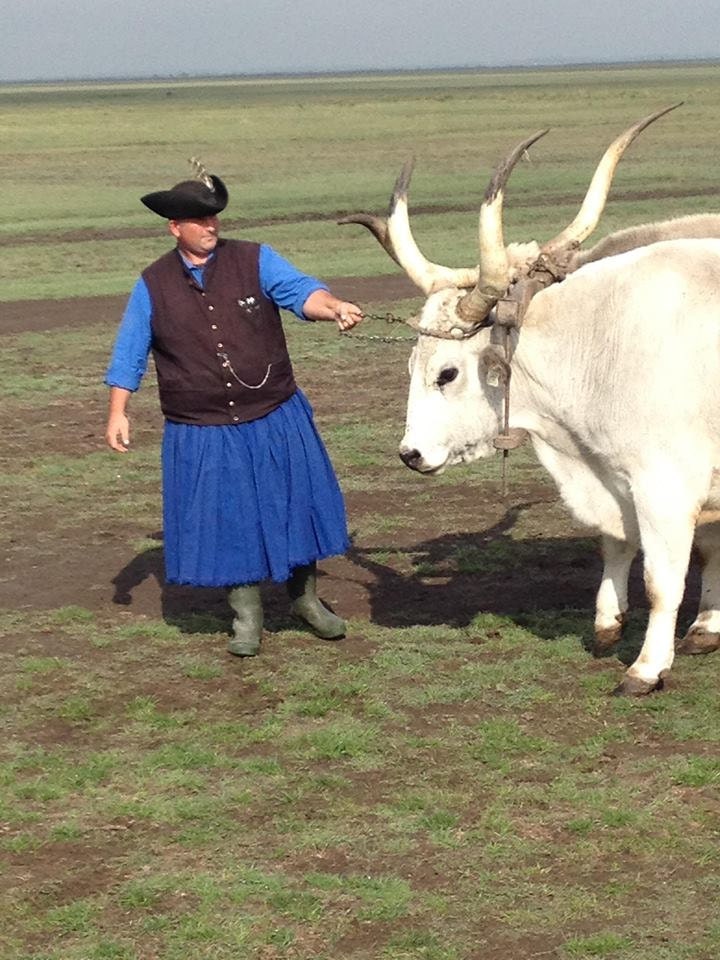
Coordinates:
column 228, row 384
column 219, row 346
column 231, row 403
column 213, row 326
column 211, row 307
column 236, row 419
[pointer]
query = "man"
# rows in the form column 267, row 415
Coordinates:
column 249, row 492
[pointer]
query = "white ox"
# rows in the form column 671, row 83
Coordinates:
column 611, row 363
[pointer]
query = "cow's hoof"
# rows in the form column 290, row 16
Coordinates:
column 635, row 687
column 605, row 639
column 696, row 641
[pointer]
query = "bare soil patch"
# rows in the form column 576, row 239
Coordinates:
column 398, row 576
column 17, row 316
column 238, row 225
column 93, row 568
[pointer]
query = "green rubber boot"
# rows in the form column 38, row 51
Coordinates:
column 305, row 604
column 248, row 620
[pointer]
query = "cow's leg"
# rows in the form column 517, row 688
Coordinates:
column 704, row 635
column 612, row 599
column 666, row 521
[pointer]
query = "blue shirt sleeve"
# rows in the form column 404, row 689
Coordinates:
column 283, row 283
column 132, row 343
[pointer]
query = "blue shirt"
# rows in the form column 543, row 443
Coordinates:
column 280, row 282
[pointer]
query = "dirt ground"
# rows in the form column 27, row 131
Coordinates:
column 21, row 315
column 552, row 566
column 545, row 572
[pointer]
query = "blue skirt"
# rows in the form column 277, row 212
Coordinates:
column 251, row 501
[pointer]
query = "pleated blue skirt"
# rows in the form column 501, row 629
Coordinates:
column 251, row 501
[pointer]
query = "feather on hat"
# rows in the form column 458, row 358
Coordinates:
column 190, row 199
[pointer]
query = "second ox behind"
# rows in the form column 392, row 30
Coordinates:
column 609, row 359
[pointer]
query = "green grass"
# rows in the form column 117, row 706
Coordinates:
column 299, row 152
column 493, row 816
column 453, row 781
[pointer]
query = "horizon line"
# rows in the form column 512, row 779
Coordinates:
column 369, row 71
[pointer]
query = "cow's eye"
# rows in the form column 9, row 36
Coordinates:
column 446, row 375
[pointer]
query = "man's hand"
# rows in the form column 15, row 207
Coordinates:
column 117, row 432
column 322, row 305
column 347, row 315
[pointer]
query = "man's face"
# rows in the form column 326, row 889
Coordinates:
column 196, row 238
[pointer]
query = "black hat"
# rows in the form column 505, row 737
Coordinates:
column 189, row 199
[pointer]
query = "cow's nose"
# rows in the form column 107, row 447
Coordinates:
column 411, row 458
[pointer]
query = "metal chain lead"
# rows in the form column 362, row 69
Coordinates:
column 386, row 318
column 391, row 318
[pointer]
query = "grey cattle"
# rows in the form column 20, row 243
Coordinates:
column 609, row 359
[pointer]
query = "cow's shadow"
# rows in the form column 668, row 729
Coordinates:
column 545, row 584
column 548, row 585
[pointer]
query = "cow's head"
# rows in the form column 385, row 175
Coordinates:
column 457, row 375
column 453, row 413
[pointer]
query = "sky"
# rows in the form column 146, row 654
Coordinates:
column 88, row 39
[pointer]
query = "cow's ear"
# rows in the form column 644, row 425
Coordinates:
column 493, row 368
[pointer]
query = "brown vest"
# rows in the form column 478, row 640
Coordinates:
column 220, row 352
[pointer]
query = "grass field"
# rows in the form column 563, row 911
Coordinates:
column 296, row 153
column 452, row 781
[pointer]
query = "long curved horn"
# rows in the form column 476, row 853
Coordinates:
column 395, row 237
column 494, row 272
column 377, row 227
column 424, row 274
column 594, row 203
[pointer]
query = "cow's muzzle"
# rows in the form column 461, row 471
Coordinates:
column 414, row 459
column 411, row 458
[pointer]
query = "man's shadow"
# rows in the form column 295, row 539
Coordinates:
column 545, row 584
column 193, row 609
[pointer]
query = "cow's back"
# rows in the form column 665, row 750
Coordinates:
column 633, row 339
